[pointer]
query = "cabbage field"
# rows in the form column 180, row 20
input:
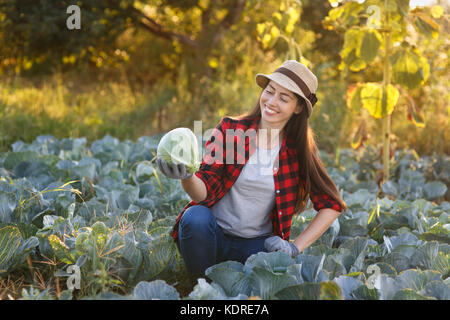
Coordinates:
column 93, row 222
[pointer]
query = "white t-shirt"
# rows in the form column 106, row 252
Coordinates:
column 244, row 211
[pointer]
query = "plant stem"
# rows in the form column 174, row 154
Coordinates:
column 386, row 81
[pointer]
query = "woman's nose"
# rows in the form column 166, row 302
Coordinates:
column 272, row 101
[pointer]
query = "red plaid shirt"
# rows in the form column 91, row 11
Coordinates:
column 220, row 177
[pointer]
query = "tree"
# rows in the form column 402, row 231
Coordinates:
column 377, row 35
column 35, row 32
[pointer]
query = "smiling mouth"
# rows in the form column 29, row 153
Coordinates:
column 270, row 111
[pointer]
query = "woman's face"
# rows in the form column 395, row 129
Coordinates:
column 277, row 105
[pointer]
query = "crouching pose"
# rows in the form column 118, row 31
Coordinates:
column 258, row 170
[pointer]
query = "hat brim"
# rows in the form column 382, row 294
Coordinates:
column 263, row 79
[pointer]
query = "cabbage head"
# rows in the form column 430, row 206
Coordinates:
column 180, row 146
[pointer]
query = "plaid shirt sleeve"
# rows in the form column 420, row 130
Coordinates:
column 212, row 167
column 322, row 200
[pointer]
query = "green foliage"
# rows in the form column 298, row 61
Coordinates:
column 120, row 237
column 35, row 294
column 14, row 248
column 409, row 68
column 35, row 33
column 379, row 26
column 378, row 101
column 155, row 290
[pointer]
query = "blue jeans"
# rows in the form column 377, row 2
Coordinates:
column 202, row 243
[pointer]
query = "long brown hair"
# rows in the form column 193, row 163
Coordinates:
column 313, row 173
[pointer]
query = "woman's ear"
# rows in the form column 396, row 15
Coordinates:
column 298, row 108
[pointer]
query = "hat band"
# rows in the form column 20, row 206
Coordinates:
column 300, row 83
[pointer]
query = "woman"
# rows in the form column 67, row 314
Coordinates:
column 237, row 208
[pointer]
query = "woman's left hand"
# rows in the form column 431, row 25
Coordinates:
column 277, row 244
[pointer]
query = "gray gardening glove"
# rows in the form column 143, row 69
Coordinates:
column 174, row 171
column 277, row 244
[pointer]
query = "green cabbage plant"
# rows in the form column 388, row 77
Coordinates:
column 180, row 146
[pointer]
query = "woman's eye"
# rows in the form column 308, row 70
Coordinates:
column 272, row 93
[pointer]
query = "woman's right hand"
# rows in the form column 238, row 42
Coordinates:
column 174, row 171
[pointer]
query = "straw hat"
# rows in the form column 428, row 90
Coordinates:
column 295, row 77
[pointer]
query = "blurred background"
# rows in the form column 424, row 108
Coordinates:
column 139, row 68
